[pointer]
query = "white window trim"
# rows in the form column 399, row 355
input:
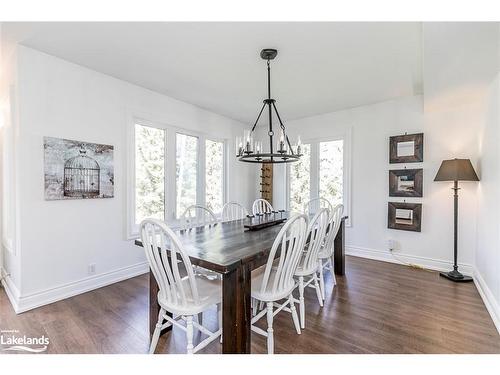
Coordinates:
column 132, row 229
column 346, row 136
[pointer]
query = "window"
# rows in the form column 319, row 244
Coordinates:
column 331, row 171
column 186, row 171
column 300, row 180
column 214, row 175
column 323, row 171
column 171, row 169
column 149, row 173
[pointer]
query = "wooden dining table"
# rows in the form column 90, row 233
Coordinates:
column 232, row 250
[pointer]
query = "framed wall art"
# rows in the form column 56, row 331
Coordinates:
column 406, row 182
column 404, row 216
column 77, row 170
column 408, row 148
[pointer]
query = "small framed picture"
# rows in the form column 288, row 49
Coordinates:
column 406, row 182
column 404, row 216
column 408, row 148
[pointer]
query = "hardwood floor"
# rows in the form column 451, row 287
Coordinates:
column 376, row 308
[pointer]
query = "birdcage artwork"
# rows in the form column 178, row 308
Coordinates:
column 81, row 176
column 77, row 170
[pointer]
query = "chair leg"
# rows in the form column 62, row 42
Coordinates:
column 270, row 332
column 302, row 308
column 321, row 280
column 200, row 319
column 332, row 271
column 295, row 317
column 189, row 334
column 156, row 333
column 255, row 304
column 261, row 305
column 318, row 289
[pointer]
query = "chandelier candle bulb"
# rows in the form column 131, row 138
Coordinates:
column 258, row 147
column 239, row 146
column 299, row 144
column 281, row 144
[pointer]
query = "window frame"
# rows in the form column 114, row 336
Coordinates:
column 344, row 136
column 170, row 182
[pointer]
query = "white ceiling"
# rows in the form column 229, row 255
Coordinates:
column 321, row 67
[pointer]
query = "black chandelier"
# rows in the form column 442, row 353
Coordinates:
column 251, row 151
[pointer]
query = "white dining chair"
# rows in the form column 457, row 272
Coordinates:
column 274, row 281
column 197, row 216
column 313, row 205
column 307, row 270
column 182, row 296
column 233, row 211
column 261, row 206
column 325, row 256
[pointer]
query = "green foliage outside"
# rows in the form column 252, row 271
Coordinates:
column 149, row 173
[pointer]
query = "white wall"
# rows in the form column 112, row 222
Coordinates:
column 487, row 260
column 59, row 239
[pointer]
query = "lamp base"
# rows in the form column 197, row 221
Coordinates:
column 456, row 276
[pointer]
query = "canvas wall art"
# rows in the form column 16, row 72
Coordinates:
column 77, row 170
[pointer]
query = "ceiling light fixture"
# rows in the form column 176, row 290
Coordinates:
column 251, row 151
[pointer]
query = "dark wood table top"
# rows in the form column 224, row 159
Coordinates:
column 223, row 246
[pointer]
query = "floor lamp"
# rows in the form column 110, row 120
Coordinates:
column 456, row 170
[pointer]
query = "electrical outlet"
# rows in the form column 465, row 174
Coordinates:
column 91, row 269
column 391, row 244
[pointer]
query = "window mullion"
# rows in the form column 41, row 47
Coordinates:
column 170, row 176
column 200, row 178
column 314, row 168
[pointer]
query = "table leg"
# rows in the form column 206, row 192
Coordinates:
column 154, row 308
column 339, row 250
column 236, row 311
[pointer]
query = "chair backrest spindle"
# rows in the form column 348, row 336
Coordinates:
column 197, row 216
column 333, row 228
column 316, row 232
column 315, row 204
column 261, row 206
column 233, row 211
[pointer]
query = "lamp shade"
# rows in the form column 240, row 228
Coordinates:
column 456, row 170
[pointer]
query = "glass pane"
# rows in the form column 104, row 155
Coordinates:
column 331, row 166
column 300, row 180
column 214, row 175
column 186, row 171
column 149, row 173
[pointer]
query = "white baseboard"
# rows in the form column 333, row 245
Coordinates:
column 398, row 258
column 10, row 289
column 488, row 298
column 28, row 302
